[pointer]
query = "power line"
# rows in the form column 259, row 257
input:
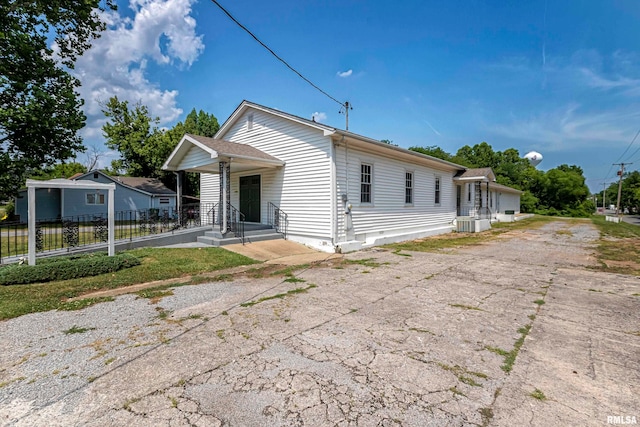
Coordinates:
column 629, row 146
column 631, row 157
column 342, row 104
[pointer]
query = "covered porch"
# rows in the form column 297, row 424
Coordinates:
column 475, row 207
column 229, row 161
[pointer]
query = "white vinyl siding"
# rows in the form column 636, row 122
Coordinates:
column 509, row 202
column 389, row 215
column 194, row 158
column 209, row 188
column 301, row 188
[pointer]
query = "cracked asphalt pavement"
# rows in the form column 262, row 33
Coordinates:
column 517, row 331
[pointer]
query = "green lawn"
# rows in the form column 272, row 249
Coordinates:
column 156, row 264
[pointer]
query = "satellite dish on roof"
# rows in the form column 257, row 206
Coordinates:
column 534, row 158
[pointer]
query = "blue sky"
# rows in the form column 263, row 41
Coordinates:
column 558, row 77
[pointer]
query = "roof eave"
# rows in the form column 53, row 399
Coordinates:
column 385, row 146
column 245, row 105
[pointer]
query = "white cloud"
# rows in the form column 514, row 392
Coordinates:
column 345, row 74
column 628, row 86
column 162, row 31
column 319, row 117
column 571, row 127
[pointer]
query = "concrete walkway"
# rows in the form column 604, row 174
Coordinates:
column 283, row 252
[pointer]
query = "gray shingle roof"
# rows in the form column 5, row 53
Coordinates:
column 149, row 185
column 231, row 149
column 474, row 172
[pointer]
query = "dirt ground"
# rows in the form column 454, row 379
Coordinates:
column 519, row 331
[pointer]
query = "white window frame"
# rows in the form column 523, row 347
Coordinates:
column 164, row 200
column 409, row 185
column 98, row 199
column 364, row 183
column 437, row 190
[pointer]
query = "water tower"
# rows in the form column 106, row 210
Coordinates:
column 534, row 158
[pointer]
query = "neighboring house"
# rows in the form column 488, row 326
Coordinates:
column 132, row 194
column 341, row 191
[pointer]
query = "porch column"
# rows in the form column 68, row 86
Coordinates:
column 111, row 220
column 225, row 196
column 179, row 186
column 31, row 228
column 488, row 205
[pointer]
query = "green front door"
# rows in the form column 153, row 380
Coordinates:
column 250, row 197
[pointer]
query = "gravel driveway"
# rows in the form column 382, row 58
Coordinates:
column 515, row 332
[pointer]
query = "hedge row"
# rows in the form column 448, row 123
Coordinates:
column 67, row 268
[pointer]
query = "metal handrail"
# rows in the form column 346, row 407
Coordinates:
column 237, row 223
column 278, row 219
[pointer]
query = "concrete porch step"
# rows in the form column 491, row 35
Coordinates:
column 215, row 238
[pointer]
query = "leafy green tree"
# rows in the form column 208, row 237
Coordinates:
column 559, row 191
column 137, row 137
column 563, row 192
column 479, row 156
column 433, row 151
column 40, row 110
column 144, row 147
column 629, row 197
column 196, row 123
column 60, row 170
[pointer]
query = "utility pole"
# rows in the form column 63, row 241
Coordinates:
column 346, row 107
column 620, row 173
column 604, row 196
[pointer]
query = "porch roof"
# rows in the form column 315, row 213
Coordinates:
column 476, row 174
column 197, row 153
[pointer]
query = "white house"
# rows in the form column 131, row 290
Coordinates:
column 340, row 191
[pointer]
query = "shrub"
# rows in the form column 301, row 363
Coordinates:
column 65, row 268
column 9, row 212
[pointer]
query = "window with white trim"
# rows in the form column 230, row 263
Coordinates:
column 164, row 200
column 366, row 173
column 437, row 191
column 94, row 199
column 408, row 188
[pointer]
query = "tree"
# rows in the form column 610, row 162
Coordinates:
column 200, row 123
column 559, row 191
column 630, row 196
column 137, row 137
column 40, row 110
column 92, row 157
column 144, row 147
column 60, row 170
column 433, row 151
column 563, row 191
